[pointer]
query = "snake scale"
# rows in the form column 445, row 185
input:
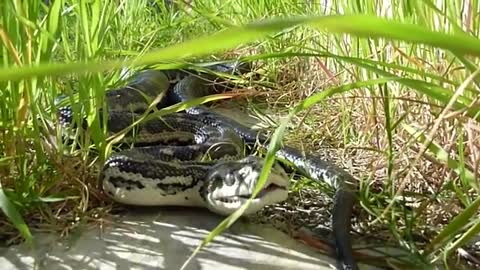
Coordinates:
column 196, row 157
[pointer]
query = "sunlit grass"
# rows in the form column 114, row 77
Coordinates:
column 407, row 79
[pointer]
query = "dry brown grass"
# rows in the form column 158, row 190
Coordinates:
column 349, row 130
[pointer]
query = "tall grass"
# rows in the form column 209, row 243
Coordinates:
column 406, row 88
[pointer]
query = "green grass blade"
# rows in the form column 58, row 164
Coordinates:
column 15, row 217
column 442, row 155
column 455, row 226
column 358, row 25
column 470, row 234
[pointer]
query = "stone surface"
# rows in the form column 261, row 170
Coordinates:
column 164, row 239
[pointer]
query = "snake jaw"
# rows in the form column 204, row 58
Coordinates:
column 230, row 189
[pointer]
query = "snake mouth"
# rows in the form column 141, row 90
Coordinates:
column 270, row 188
column 266, row 190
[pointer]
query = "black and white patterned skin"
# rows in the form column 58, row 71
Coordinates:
column 196, row 157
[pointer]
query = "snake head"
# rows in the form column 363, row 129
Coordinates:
column 231, row 183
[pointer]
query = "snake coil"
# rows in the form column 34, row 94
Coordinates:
column 167, row 164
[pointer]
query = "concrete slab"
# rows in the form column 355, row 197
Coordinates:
column 164, row 239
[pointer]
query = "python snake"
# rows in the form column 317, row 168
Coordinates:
column 195, row 157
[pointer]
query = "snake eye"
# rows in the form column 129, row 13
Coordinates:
column 230, row 180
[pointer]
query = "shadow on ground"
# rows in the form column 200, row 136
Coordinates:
column 164, row 239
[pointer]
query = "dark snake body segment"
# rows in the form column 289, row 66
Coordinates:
column 148, row 83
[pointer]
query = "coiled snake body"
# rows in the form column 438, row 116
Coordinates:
column 195, row 158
